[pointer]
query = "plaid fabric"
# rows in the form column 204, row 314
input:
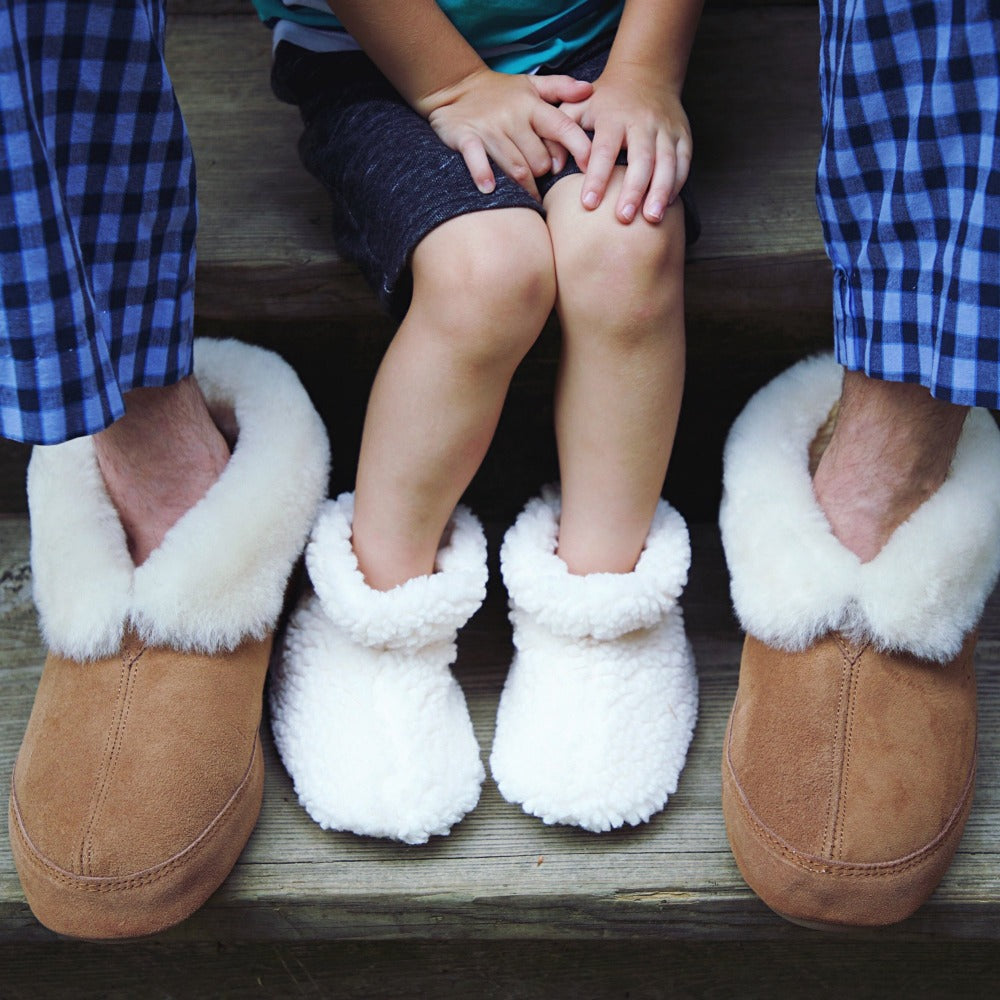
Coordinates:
column 908, row 189
column 97, row 215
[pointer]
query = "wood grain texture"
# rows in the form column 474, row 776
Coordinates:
column 502, row 875
column 503, row 970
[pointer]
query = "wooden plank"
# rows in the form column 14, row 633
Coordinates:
column 264, row 244
column 502, row 875
column 753, row 101
column 503, row 970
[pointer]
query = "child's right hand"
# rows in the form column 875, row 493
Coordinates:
column 511, row 119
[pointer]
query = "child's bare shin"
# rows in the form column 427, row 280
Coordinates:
column 621, row 376
column 477, row 308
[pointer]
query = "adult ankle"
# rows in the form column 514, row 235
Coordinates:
column 890, row 450
column 159, row 460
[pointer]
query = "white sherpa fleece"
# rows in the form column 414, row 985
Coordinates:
column 420, row 611
column 219, row 575
column 366, row 714
column 793, row 581
column 601, row 700
column 601, row 605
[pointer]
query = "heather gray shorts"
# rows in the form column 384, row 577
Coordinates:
column 389, row 176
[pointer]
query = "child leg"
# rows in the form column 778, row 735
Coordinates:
column 620, row 303
column 483, row 286
column 601, row 700
column 367, row 716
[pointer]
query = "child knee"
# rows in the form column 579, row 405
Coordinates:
column 512, row 285
column 623, row 278
column 489, row 287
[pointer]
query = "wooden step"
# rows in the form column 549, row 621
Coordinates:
column 792, row 969
column 502, row 876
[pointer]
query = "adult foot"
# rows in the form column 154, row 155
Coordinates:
column 890, row 449
column 849, row 761
column 159, row 460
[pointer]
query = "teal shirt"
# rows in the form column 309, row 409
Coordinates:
column 515, row 36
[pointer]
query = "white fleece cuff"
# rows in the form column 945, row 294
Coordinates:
column 793, row 581
column 599, row 605
column 219, row 575
column 423, row 610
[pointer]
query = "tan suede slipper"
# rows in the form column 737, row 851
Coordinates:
column 140, row 776
column 850, row 757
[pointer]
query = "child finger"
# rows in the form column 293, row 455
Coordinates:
column 635, row 184
column 550, row 123
column 534, row 151
column 509, row 158
column 663, row 186
column 574, row 110
column 603, row 154
column 557, row 154
column 683, row 168
column 478, row 163
column 561, row 88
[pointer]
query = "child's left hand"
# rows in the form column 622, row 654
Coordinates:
column 631, row 109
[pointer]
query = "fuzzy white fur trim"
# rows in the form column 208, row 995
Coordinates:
column 601, row 700
column 219, row 575
column 600, row 605
column 422, row 610
column 369, row 720
column 793, row 581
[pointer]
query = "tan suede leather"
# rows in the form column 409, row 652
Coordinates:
column 847, row 777
column 137, row 786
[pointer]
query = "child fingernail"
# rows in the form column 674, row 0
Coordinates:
column 656, row 211
column 628, row 212
column 590, row 199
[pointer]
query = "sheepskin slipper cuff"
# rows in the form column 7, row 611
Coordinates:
column 219, row 575
column 794, row 582
column 369, row 720
column 601, row 700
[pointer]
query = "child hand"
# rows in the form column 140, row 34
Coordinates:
column 631, row 109
column 514, row 120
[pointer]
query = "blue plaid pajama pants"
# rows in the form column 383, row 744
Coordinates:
column 97, row 215
column 908, row 189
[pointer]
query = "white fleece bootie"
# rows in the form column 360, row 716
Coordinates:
column 369, row 721
column 601, row 701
